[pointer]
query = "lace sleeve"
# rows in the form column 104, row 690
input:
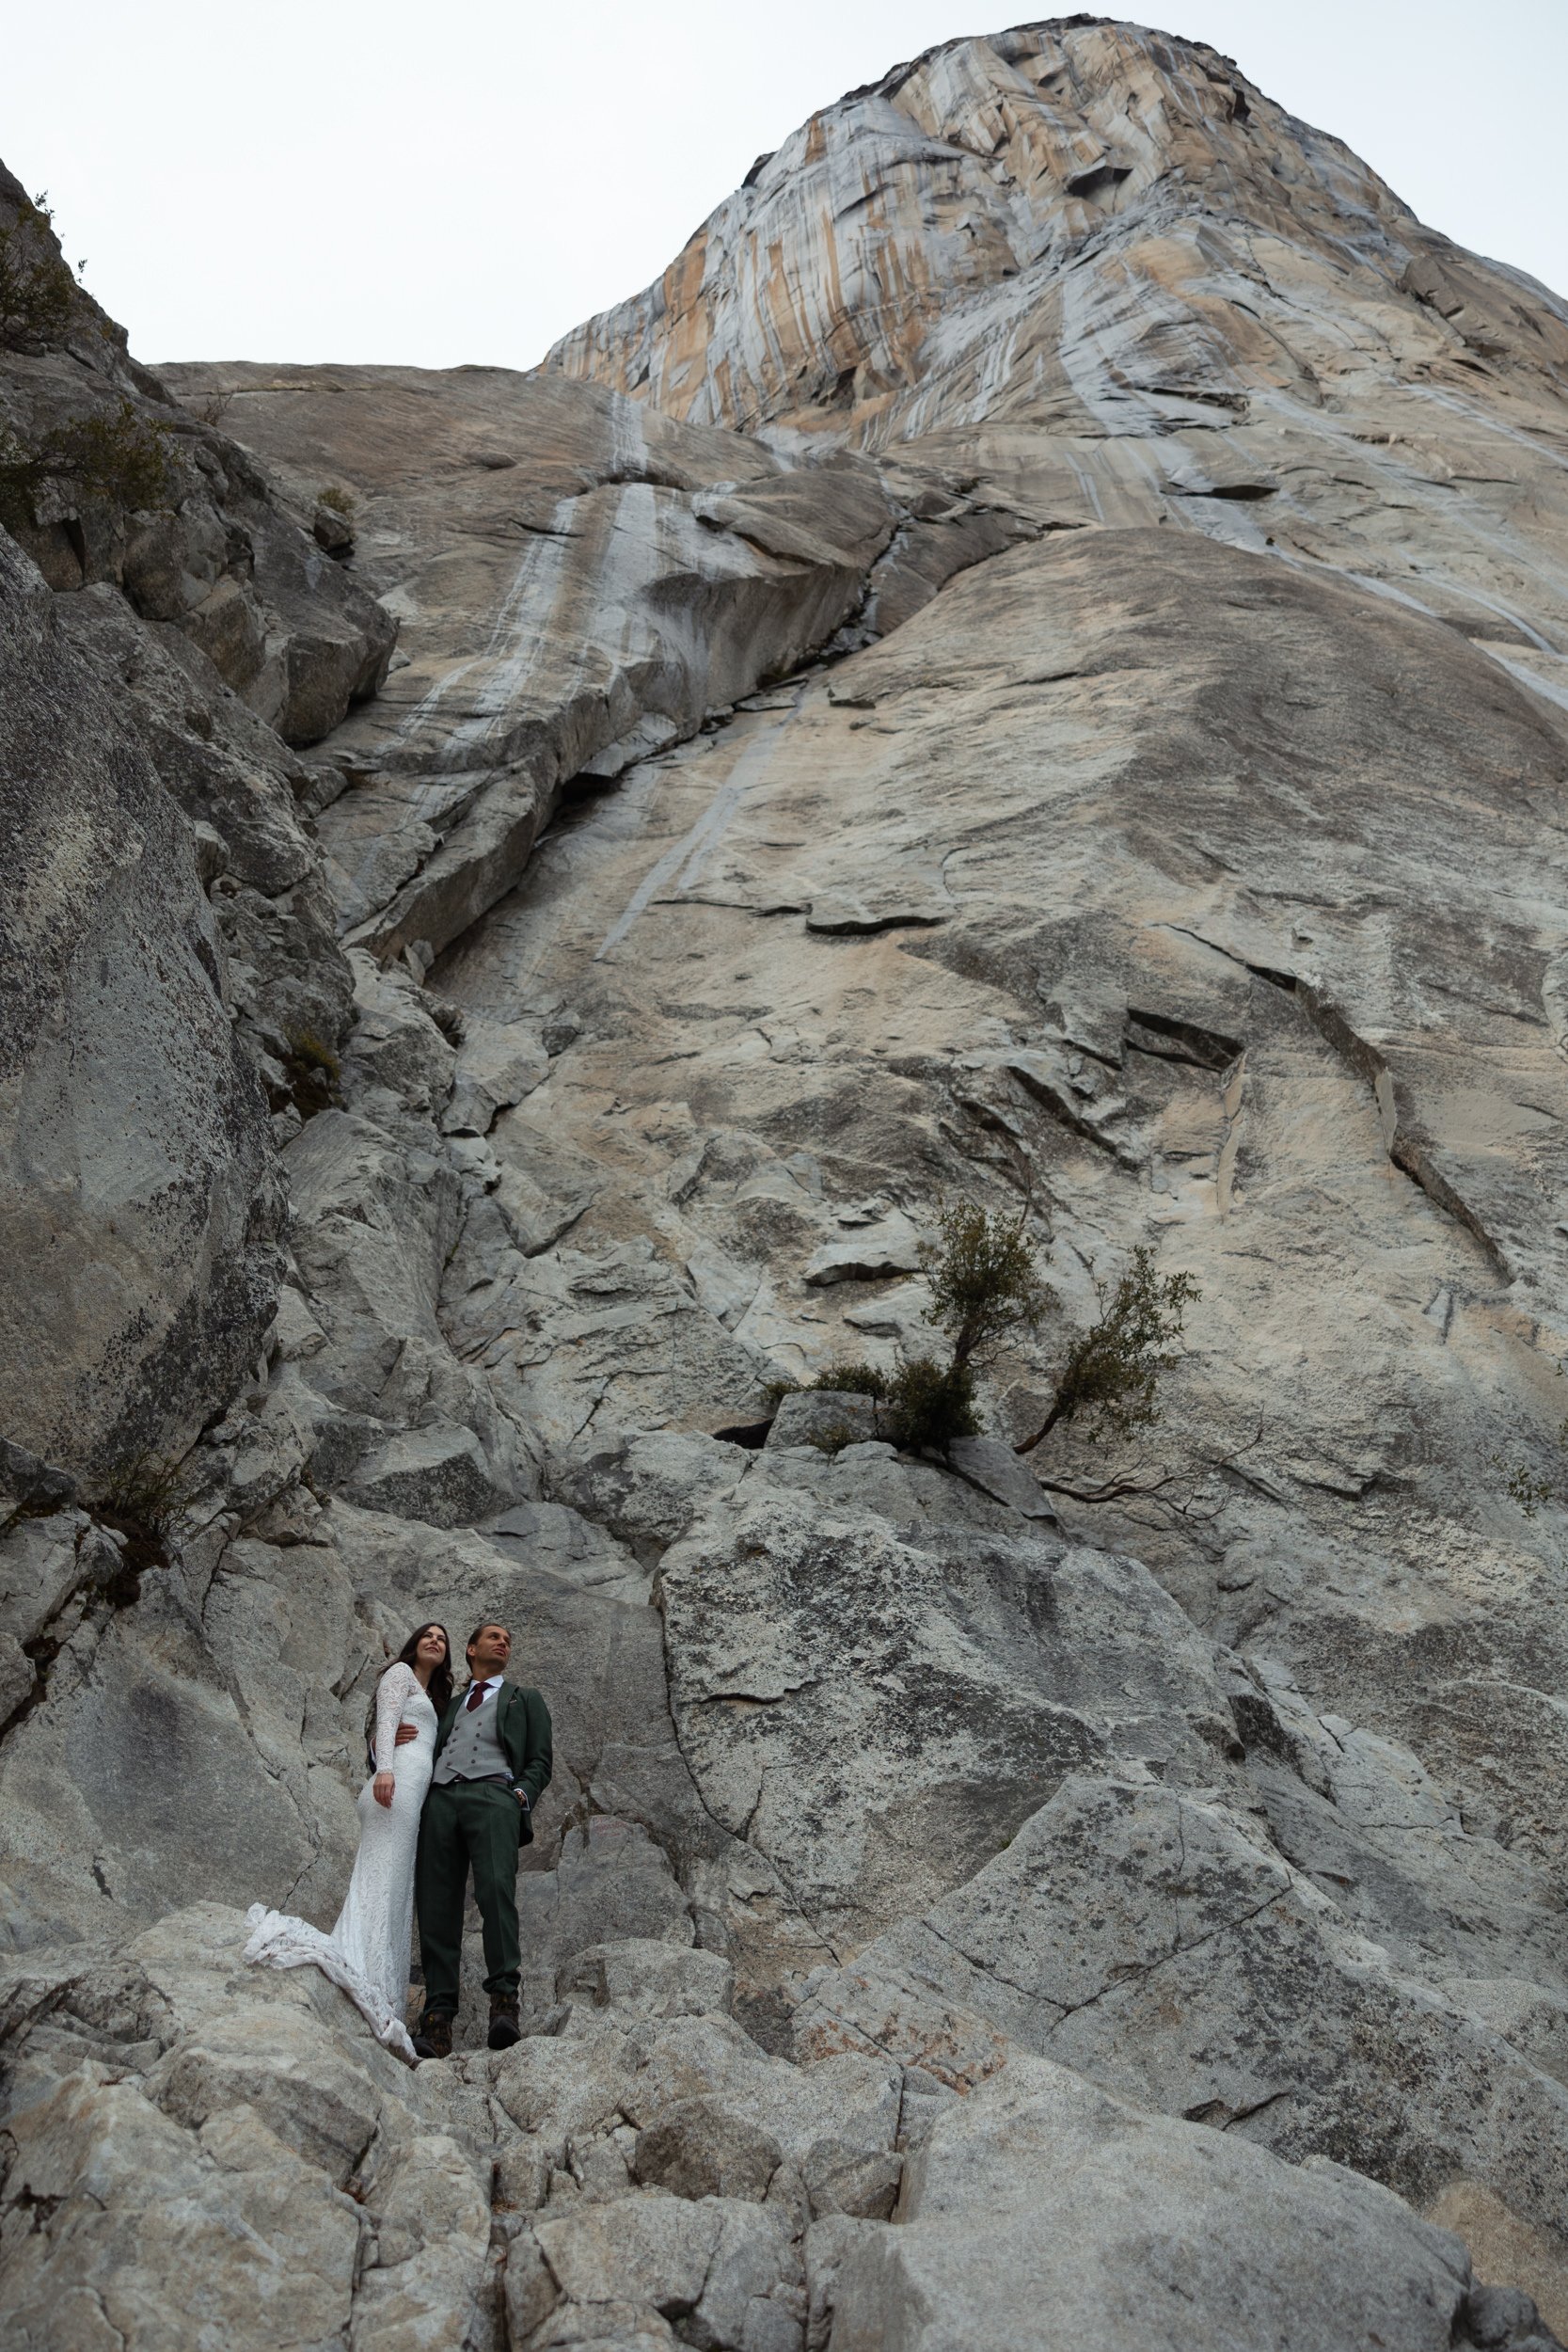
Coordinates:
column 390, row 1694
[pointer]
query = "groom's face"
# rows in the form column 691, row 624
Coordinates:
column 489, row 1651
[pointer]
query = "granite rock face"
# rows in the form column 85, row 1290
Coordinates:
column 1094, row 277
column 579, row 581
column 1149, row 1940
column 219, row 559
column 643, row 2164
column 169, row 939
column 311, row 2190
column 1030, row 669
column 871, row 1712
column 140, row 1208
column 1082, row 224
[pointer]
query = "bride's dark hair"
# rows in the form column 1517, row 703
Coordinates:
column 439, row 1686
column 438, row 1689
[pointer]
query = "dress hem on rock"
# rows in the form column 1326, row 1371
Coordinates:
column 278, row 1941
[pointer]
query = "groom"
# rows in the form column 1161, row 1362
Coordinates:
column 492, row 1765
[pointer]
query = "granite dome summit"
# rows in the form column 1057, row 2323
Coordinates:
column 1082, row 226
column 1032, row 665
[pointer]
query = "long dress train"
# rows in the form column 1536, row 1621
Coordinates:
column 368, row 1951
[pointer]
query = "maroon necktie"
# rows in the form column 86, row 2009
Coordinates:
column 476, row 1697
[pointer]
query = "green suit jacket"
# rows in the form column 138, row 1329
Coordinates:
column 523, row 1729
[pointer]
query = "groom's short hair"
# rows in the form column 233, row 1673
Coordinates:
column 484, row 1627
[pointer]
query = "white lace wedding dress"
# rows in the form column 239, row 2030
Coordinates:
column 367, row 1950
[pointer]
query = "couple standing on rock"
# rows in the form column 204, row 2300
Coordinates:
column 456, row 1778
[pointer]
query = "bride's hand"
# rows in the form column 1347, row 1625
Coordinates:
column 382, row 1787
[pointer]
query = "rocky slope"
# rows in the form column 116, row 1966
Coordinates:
column 1028, row 667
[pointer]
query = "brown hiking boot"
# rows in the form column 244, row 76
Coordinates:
column 504, row 2026
column 433, row 2038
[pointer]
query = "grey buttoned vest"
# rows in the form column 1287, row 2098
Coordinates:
column 473, row 1751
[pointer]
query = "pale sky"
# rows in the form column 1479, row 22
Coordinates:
column 367, row 179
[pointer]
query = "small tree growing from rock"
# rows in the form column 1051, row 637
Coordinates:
column 1111, row 1375
column 985, row 1287
column 984, row 1282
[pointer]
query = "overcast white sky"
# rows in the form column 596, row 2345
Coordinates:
column 315, row 180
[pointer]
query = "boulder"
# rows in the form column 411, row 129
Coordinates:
column 1039, row 2194
column 728, row 2270
column 828, row 1418
column 648, row 1979
column 700, row 2148
column 437, row 1472
column 1143, row 1937
column 332, row 529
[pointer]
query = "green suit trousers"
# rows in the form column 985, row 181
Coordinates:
column 477, row 1825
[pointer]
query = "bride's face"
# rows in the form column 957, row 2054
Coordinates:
column 433, row 1647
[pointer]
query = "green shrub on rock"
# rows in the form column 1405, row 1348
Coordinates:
column 921, row 1407
column 146, row 1501
column 930, row 1404
column 314, row 1072
column 985, row 1287
column 852, row 1379
column 1113, row 1371
column 984, row 1281
column 122, row 458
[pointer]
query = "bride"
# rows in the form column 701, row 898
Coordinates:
column 367, row 1950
